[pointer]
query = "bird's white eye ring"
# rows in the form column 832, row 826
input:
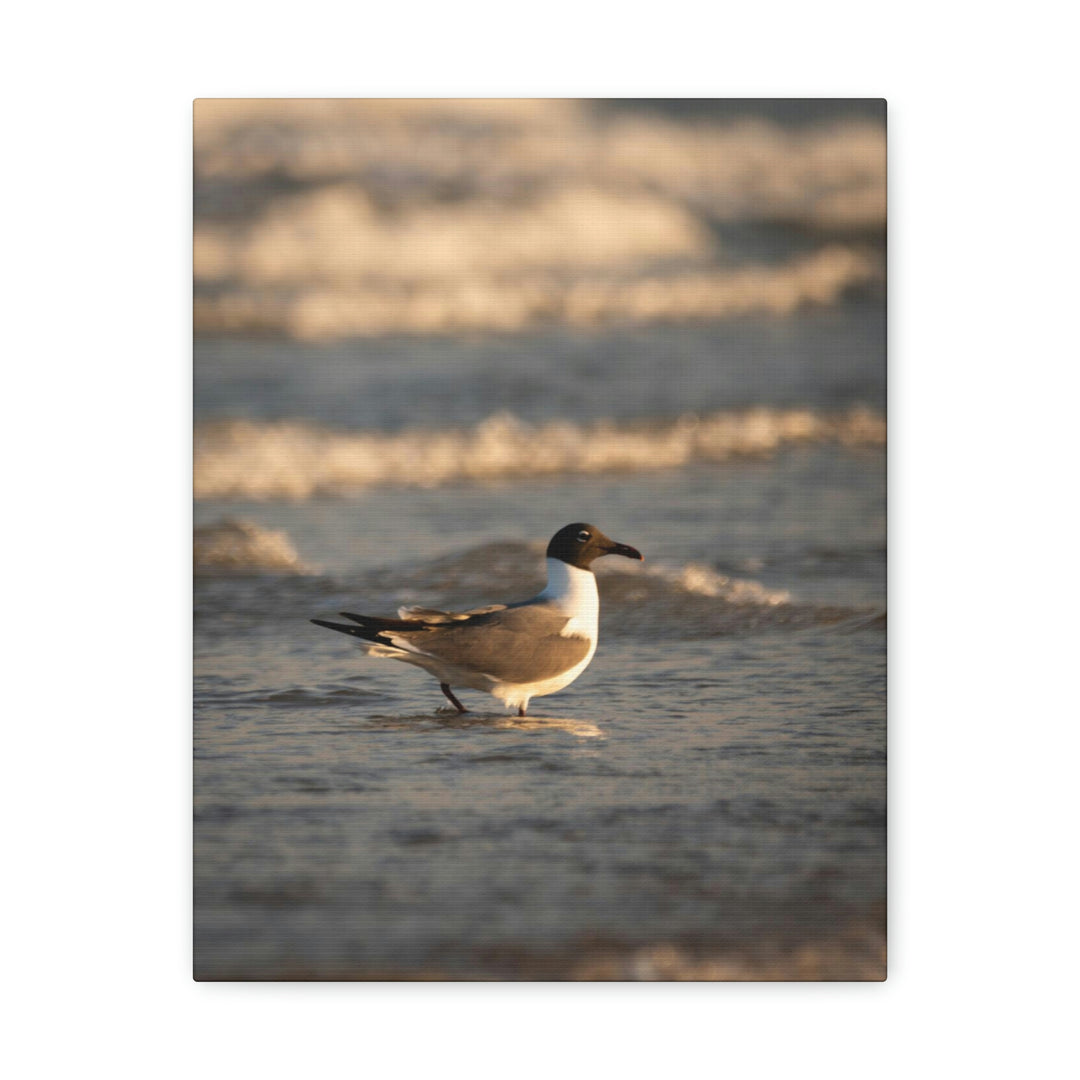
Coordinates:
column 584, row 535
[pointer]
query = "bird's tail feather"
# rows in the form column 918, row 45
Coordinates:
column 367, row 633
column 369, row 627
column 378, row 622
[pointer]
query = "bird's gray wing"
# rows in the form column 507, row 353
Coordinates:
column 433, row 616
column 520, row 644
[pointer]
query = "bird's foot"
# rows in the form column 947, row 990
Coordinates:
column 445, row 688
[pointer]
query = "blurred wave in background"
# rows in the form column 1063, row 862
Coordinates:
column 481, row 266
column 322, row 220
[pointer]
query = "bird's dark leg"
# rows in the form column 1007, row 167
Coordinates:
column 521, row 710
column 445, row 688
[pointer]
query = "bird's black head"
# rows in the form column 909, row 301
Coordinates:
column 578, row 544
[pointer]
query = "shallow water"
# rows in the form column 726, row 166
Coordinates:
column 714, row 784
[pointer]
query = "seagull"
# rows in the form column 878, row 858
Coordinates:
column 512, row 651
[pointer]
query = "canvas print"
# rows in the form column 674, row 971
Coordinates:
column 539, row 539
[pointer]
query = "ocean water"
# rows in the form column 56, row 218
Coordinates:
column 706, row 801
column 668, row 324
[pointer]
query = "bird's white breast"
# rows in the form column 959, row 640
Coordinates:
column 573, row 592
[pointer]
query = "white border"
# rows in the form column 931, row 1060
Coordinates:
column 982, row 591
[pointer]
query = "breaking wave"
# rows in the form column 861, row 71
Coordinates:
column 512, row 568
column 294, row 459
column 325, row 310
column 702, row 580
column 230, row 547
column 321, row 220
column 410, row 151
column 687, row 601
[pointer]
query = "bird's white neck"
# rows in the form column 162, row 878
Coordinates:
column 571, row 589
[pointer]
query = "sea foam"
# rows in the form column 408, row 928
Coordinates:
column 295, row 459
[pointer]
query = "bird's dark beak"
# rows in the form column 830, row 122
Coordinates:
column 625, row 549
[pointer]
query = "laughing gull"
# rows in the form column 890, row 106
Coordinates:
column 513, row 651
